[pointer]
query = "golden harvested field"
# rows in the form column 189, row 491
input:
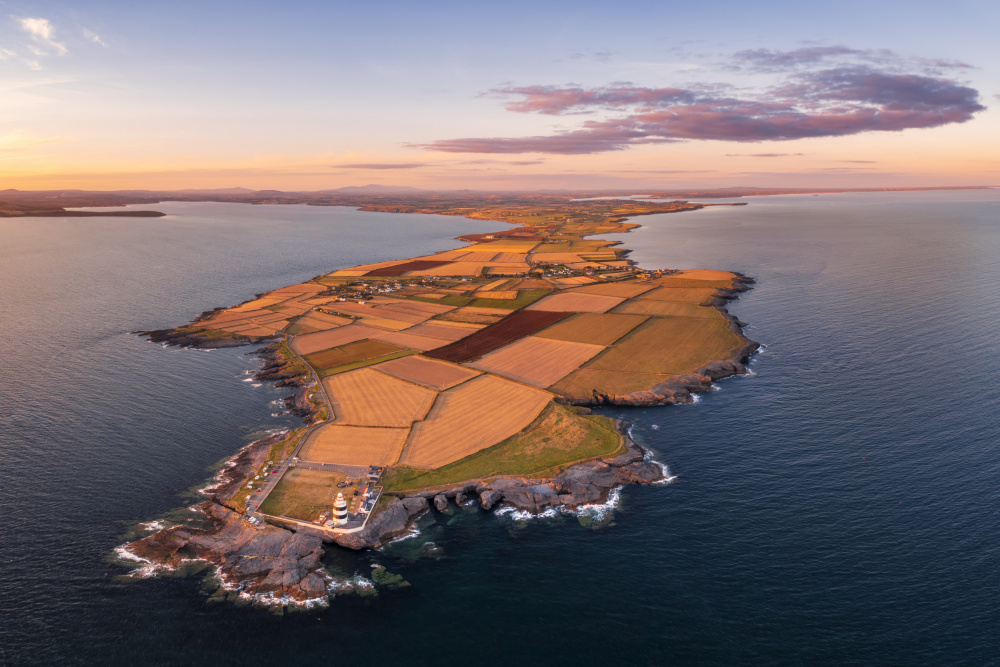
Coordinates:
column 666, row 309
column 351, row 352
column 696, row 279
column 252, row 330
column 669, row 346
column 256, row 304
column 324, row 340
column 532, row 283
column 292, row 308
column 503, row 246
column 626, row 289
column 366, row 397
column 511, row 258
column 355, row 445
column 267, row 319
column 575, row 281
column 446, row 256
column 469, row 315
column 584, row 381
column 689, row 294
column 399, row 314
column 297, row 329
column 438, row 375
column 488, row 287
column 593, row 328
column 552, row 247
column 294, row 290
column 705, row 274
column 444, row 330
column 470, row 417
column 537, row 361
column 421, row 307
column 555, row 257
column 497, row 294
column 322, row 321
column 575, row 302
column 229, row 316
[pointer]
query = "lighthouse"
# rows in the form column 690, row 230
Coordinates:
column 340, row 510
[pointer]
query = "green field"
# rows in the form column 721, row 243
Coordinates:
column 524, row 298
column 302, row 494
column 558, row 437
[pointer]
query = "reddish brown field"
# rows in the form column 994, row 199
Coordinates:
column 517, row 325
column 400, row 269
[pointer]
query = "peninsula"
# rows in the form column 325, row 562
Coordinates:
column 465, row 375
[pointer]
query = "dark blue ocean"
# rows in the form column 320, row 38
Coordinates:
column 838, row 506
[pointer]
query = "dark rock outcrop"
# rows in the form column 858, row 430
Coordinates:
column 440, row 502
column 257, row 560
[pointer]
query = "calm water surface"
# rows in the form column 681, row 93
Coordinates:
column 838, row 506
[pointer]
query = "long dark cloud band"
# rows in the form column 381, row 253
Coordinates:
column 828, row 103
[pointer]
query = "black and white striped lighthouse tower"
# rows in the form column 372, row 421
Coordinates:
column 340, row 510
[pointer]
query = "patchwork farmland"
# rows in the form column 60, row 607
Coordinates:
column 460, row 363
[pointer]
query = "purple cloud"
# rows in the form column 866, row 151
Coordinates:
column 833, row 102
column 768, row 60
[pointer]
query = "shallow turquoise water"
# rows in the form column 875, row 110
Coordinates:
column 837, row 506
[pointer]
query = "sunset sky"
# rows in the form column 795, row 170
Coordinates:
column 512, row 95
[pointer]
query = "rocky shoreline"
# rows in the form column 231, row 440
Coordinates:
column 681, row 390
column 273, row 564
column 277, row 565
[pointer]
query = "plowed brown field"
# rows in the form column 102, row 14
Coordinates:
column 400, row 269
column 517, row 325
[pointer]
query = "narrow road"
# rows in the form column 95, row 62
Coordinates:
column 283, row 466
